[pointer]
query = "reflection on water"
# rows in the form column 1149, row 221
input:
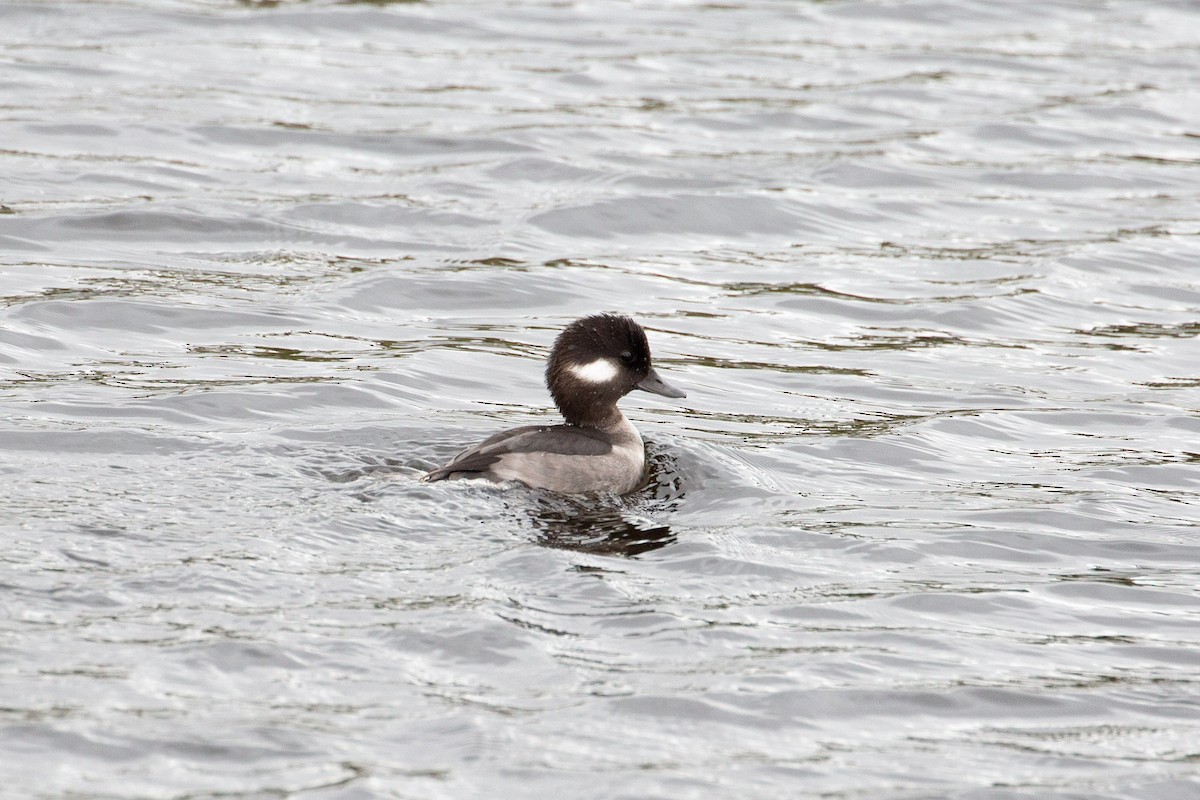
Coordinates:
column 609, row 525
column 579, row 526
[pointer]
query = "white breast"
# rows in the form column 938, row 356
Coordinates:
column 621, row 470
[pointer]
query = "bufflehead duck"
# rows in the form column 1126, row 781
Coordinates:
column 595, row 362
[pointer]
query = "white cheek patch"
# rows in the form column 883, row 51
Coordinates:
column 602, row 370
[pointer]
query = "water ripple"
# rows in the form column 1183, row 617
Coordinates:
column 924, row 525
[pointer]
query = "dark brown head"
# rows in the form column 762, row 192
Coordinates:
column 596, row 361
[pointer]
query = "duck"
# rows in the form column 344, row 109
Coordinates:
column 595, row 361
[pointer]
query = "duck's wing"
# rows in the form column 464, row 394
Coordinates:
column 567, row 440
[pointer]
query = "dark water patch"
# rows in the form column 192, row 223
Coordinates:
column 1184, row 330
column 282, row 353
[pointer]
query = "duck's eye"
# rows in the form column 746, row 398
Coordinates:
column 627, row 356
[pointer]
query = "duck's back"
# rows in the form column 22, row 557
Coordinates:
column 562, row 458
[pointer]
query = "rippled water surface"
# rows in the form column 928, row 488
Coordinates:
column 924, row 527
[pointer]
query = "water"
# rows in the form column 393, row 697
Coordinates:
column 924, row 527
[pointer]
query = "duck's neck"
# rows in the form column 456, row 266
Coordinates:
column 584, row 414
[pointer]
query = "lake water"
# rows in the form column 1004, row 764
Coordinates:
column 926, row 525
